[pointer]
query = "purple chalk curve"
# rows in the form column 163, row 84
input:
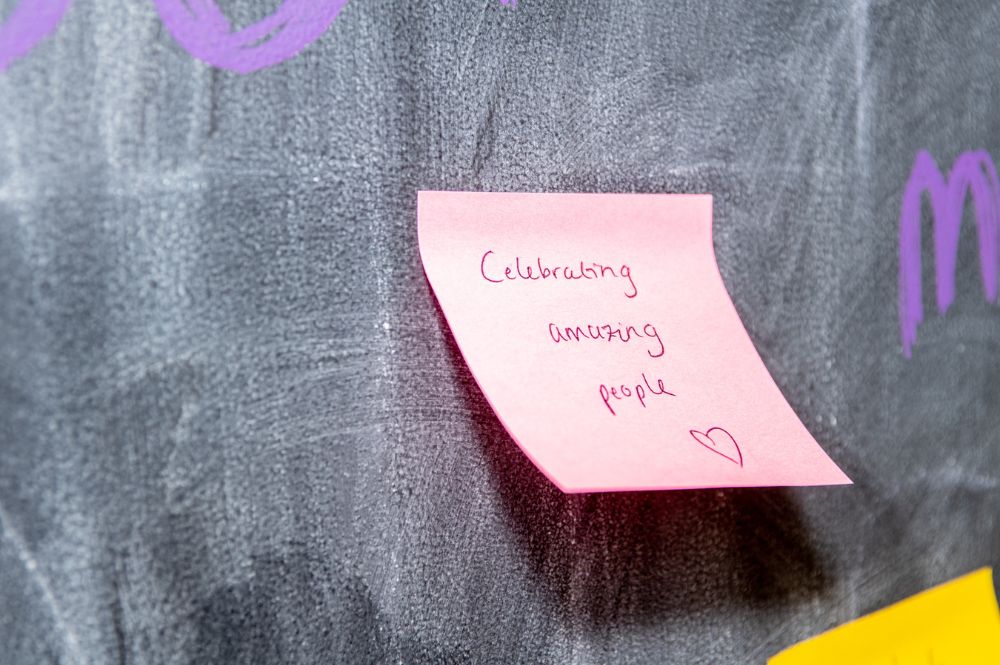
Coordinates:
column 30, row 22
column 203, row 30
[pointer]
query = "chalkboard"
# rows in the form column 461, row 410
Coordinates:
column 236, row 428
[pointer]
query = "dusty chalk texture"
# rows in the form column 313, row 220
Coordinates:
column 234, row 427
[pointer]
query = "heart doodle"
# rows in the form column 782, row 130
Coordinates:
column 722, row 444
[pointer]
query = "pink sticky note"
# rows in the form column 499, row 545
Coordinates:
column 600, row 331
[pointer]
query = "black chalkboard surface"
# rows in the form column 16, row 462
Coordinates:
column 234, row 426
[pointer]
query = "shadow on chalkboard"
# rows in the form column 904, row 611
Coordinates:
column 644, row 556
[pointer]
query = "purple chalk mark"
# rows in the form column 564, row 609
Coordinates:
column 29, row 23
column 973, row 171
column 203, row 30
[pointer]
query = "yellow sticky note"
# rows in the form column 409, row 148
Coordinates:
column 957, row 623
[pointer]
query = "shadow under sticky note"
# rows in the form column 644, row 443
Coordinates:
column 957, row 623
column 600, row 331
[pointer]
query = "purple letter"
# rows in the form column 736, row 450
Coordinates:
column 204, row 32
column 972, row 170
column 29, row 23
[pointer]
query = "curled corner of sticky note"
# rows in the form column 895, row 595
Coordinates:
column 954, row 623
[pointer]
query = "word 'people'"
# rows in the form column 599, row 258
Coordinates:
column 637, row 391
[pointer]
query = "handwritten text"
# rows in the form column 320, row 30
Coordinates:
column 638, row 391
column 518, row 270
column 607, row 332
